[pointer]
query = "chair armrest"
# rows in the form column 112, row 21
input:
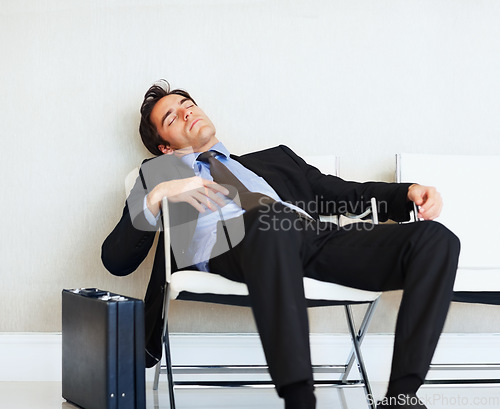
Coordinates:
column 372, row 210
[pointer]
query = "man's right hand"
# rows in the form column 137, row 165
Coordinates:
column 199, row 193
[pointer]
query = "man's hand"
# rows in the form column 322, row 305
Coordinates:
column 427, row 199
column 198, row 192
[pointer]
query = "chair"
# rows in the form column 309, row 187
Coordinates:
column 208, row 287
column 468, row 187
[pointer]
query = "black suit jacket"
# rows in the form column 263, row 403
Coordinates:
column 293, row 179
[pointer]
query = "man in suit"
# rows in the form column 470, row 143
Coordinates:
column 283, row 241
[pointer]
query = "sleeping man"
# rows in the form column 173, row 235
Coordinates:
column 209, row 190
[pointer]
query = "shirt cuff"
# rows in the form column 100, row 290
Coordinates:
column 152, row 220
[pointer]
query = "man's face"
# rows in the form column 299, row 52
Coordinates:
column 182, row 125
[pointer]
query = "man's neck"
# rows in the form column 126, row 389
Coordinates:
column 208, row 145
column 189, row 149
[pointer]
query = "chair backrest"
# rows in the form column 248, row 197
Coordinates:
column 469, row 187
column 130, row 180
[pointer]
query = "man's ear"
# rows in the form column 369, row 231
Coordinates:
column 166, row 149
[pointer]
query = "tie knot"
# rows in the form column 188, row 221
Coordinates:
column 205, row 156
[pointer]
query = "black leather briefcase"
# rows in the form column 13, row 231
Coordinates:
column 103, row 362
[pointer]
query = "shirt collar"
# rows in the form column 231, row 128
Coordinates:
column 191, row 158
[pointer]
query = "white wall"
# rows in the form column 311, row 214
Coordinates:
column 360, row 79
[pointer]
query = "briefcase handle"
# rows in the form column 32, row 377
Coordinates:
column 92, row 292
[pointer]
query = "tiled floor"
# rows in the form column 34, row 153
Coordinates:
column 47, row 395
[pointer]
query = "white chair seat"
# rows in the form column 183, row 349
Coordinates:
column 200, row 282
column 477, row 279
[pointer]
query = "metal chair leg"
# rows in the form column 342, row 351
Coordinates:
column 166, row 343
column 166, row 346
column 361, row 334
column 156, row 401
column 359, row 357
column 343, row 400
column 157, row 376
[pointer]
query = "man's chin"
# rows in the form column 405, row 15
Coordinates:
column 205, row 131
column 205, row 141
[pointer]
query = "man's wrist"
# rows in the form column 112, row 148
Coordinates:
column 149, row 215
column 152, row 204
column 408, row 197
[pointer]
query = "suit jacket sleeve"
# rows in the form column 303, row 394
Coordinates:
column 130, row 241
column 337, row 196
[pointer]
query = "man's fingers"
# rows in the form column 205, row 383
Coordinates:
column 195, row 203
column 426, row 212
column 201, row 196
column 215, row 187
column 208, row 198
column 431, row 208
column 215, row 197
column 428, row 199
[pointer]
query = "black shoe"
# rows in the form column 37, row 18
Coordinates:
column 409, row 401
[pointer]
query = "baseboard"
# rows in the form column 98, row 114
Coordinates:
column 34, row 356
column 37, row 356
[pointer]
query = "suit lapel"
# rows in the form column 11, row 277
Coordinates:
column 262, row 168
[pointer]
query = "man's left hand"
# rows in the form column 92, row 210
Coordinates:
column 428, row 200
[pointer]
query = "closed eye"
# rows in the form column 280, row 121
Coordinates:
column 190, row 104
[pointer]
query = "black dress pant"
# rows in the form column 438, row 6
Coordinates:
column 279, row 249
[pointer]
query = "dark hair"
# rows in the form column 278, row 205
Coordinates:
column 147, row 129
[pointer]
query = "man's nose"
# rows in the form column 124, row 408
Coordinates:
column 185, row 112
